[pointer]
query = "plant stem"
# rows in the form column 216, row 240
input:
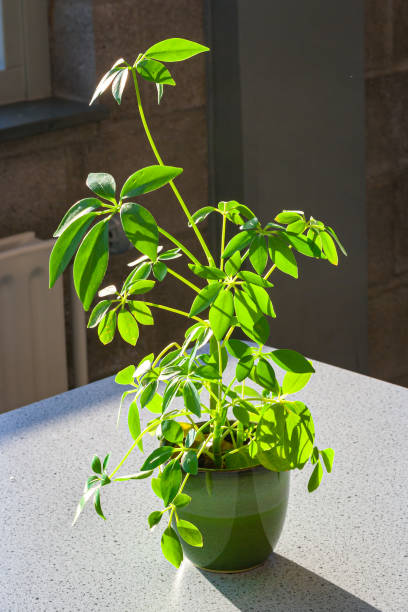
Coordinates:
column 219, row 418
column 139, row 437
column 179, row 244
column 172, row 185
column 175, row 310
column 183, row 280
column 224, row 221
column 269, row 272
column 164, row 351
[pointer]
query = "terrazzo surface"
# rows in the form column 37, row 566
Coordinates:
column 343, row 548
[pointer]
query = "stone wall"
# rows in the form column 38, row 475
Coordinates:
column 41, row 176
column 387, row 187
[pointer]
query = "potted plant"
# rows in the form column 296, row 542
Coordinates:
column 221, row 467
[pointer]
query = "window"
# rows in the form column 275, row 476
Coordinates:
column 24, row 51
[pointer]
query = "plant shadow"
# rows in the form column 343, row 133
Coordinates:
column 284, row 586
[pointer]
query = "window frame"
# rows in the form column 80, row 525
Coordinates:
column 26, row 48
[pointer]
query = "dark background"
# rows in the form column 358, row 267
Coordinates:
column 325, row 85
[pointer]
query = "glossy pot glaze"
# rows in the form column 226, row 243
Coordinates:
column 240, row 514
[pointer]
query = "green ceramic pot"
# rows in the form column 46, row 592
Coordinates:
column 240, row 514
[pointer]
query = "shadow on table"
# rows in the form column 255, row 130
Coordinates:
column 58, row 407
column 283, row 586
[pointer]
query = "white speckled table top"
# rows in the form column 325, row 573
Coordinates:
column 344, row 547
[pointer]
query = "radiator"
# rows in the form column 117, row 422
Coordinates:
column 32, row 334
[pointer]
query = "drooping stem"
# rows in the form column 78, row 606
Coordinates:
column 172, row 185
column 135, row 443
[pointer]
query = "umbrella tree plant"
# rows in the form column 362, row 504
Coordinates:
column 221, row 424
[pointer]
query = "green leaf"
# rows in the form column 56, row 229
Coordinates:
column 208, row 372
column 141, row 286
column 208, row 272
column 97, row 503
column 190, row 462
column 91, row 262
column 98, row 313
column 329, row 248
column 191, row 398
column 170, row 254
column 251, row 224
column 258, row 254
column 157, row 457
column 303, row 245
column 289, row 216
column 315, row 478
column 251, row 321
column 237, row 243
column 221, row 313
column 107, row 79
column 205, row 298
column 79, row 209
column 190, row 533
column 292, row 361
column 237, row 348
column 175, row 50
column 134, row 423
column 202, row 214
column 128, row 327
column 154, row 71
column 159, row 270
column 156, row 487
column 126, row 376
column 254, row 279
column 140, row 228
column 170, row 393
column 103, row 184
column 67, row 244
column 282, row 256
column 172, row 431
column 233, row 264
column 181, row 500
column 171, row 547
column 154, row 518
column 107, row 327
column 106, row 461
column 244, row 367
column 241, row 414
column 155, row 404
column 285, row 436
column 261, row 298
column 96, row 465
column 314, row 236
column 190, row 437
column 333, row 233
column 297, row 227
column 328, row 457
column 265, row 376
column 160, row 92
column 141, row 272
column 170, row 481
column 148, row 179
column 292, row 382
column 141, row 312
column 137, row 476
column 148, row 393
column 118, row 85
